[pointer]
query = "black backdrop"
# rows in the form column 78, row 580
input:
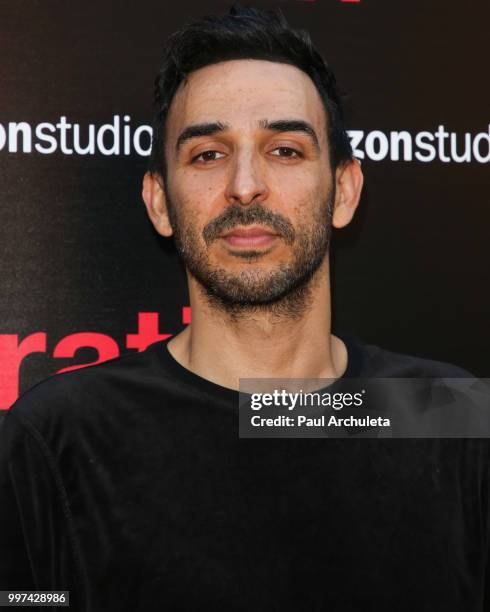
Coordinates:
column 79, row 255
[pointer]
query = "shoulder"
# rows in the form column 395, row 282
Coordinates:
column 380, row 362
column 78, row 394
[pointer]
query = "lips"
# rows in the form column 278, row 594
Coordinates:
column 249, row 237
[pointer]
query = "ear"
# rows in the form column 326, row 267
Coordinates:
column 349, row 181
column 156, row 203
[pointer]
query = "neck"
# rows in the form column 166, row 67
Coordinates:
column 289, row 340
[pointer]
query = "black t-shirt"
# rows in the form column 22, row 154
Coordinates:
column 126, row 483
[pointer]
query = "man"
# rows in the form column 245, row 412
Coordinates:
column 126, row 483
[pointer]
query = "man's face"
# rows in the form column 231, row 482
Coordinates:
column 249, row 187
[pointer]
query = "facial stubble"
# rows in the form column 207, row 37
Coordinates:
column 283, row 291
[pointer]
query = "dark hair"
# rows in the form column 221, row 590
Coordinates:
column 244, row 33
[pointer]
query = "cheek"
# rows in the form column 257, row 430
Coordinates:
column 301, row 192
column 198, row 193
column 194, row 210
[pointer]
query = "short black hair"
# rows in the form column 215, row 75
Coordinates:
column 244, row 33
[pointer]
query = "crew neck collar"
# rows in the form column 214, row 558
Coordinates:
column 168, row 361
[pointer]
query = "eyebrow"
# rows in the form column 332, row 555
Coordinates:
column 281, row 125
column 291, row 125
column 200, row 129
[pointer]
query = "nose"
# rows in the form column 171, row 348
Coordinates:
column 246, row 182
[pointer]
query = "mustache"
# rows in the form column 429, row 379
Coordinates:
column 255, row 214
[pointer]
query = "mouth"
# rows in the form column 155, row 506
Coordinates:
column 249, row 237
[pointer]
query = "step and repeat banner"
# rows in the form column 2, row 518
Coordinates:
column 84, row 277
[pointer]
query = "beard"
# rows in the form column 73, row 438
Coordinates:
column 282, row 290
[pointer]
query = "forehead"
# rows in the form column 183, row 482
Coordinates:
column 243, row 92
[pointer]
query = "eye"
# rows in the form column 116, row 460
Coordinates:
column 286, row 152
column 207, row 156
